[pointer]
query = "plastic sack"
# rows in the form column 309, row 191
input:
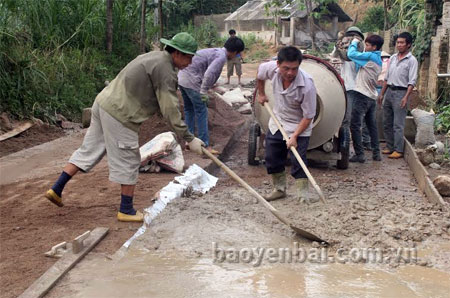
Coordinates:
column 162, row 151
column 425, row 127
column 343, row 44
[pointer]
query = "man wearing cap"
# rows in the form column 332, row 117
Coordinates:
column 145, row 86
column 348, row 73
column 364, row 105
column 398, row 84
column 198, row 78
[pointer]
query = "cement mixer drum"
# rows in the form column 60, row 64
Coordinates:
column 331, row 102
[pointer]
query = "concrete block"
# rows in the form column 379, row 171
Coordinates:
column 86, row 117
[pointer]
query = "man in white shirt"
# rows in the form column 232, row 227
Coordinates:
column 295, row 107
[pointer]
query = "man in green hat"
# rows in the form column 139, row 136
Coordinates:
column 145, row 86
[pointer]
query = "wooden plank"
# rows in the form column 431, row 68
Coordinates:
column 19, row 129
column 422, row 176
column 43, row 284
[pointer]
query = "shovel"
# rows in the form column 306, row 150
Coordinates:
column 266, row 204
column 297, row 156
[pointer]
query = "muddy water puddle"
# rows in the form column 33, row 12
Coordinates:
column 148, row 274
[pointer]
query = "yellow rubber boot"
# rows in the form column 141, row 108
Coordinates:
column 279, row 187
column 54, row 198
column 138, row 217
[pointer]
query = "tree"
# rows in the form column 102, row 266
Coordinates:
column 143, row 32
column 109, row 25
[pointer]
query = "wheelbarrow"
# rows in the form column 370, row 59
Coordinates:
column 327, row 139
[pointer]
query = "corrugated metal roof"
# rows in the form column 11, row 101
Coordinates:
column 251, row 10
column 254, row 10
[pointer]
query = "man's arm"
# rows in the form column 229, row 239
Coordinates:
column 304, row 123
column 406, row 97
column 412, row 76
column 266, row 71
column 260, row 85
column 165, row 85
column 383, row 90
column 212, row 74
column 360, row 58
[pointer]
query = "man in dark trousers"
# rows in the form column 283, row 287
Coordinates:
column 364, row 104
column 398, row 84
column 295, row 107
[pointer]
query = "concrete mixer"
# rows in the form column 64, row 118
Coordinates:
column 326, row 142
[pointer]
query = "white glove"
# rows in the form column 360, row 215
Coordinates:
column 356, row 39
column 196, row 145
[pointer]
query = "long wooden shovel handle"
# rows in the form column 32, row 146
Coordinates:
column 297, row 156
column 246, row 186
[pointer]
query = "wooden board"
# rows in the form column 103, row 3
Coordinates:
column 19, row 129
column 43, row 284
column 422, row 176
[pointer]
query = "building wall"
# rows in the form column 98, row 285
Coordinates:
column 438, row 60
column 266, row 36
column 218, row 19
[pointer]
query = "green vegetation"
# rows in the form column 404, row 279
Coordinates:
column 52, row 54
column 443, row 119
column 206, row 35
column 53, row 58
column 373, row 20
column 177, row 12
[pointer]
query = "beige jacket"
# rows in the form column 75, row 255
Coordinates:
column 145, row 86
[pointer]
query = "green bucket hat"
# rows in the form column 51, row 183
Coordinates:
column 356, row 30
column 183, row 42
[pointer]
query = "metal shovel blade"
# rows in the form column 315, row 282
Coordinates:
column 297, row 230
column 266, row 204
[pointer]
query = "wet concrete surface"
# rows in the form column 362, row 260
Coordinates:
column 225, row 244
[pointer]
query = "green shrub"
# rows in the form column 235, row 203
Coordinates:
column 373, row 21
column 52, row 54
column 206, row 34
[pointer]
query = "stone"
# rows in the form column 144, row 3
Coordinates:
column 434, row 165
column 70, row 125
column 442, row 184
column 234, row 97
column 60, row 118
column 247, row 93
column 245, row 109
column 440, row 147
column 37, row 121
column 5, row 123
column 219, row 89
column 86, row 117
column 425, row 157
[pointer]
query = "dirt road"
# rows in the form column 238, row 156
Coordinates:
column 202, row 245
column 370, row 205
column 30, row 225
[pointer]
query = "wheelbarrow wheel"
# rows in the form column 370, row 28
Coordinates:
column 254, row 133
column 345, row 152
